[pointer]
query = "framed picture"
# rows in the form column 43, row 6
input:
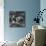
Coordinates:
column 17, row 19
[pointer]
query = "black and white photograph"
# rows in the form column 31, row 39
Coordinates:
column 17, row 19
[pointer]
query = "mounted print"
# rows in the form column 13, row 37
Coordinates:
column 17, row 19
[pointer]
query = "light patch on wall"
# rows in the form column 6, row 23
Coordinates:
column 1, row 3
column 1, row 24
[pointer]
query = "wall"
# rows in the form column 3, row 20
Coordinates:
column 1, row 21
column 30, row 6
column 43, row 6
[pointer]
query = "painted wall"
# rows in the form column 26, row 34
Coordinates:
column 43, row 6
column 30, row 7
column 1, row 21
